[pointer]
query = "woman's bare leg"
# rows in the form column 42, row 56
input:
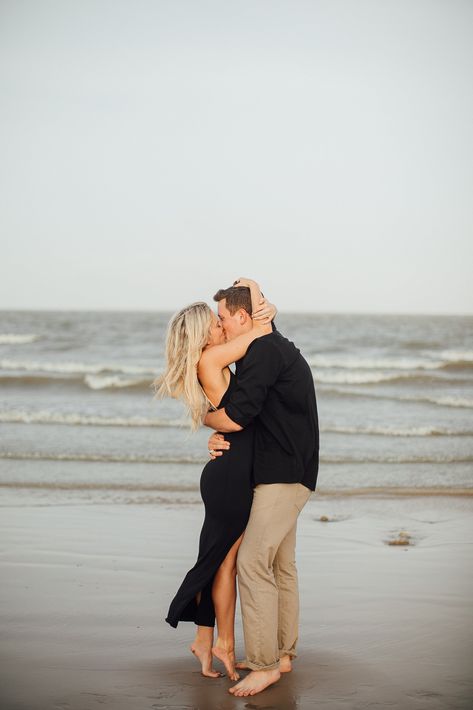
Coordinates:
column 201, row 647
column 224, row 599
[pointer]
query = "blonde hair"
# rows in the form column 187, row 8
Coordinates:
column 187, row 335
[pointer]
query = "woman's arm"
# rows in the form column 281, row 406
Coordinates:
column 261, row 309
column 255, row 292
column 219, row 356
column 257, row 297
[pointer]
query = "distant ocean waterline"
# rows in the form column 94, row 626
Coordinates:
column 79, row 422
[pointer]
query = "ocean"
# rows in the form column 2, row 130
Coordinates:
column 79, row 422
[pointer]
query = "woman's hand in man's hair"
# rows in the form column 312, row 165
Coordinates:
column 243, row 281
column 266, row 312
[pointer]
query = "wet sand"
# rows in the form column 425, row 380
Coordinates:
column 85, row 589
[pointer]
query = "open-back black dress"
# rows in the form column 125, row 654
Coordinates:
column 226, row 487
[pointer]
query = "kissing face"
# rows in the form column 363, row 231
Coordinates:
column 216, row 334
column 232, row 324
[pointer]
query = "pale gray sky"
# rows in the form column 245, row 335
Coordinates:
column 152, row 151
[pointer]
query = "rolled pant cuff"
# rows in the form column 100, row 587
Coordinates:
column 256, row 667
column 283, row 652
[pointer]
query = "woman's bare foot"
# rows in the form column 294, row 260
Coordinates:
column 255, row 682
column 227, row 657
column 285, row 665
column 204, row 655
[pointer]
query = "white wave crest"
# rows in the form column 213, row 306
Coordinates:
column 393, row 431
column 17, row 339
column 450, row 401
column 17, row 416
column 111, row 458
column 363, row 460
column 382, row 363
column 356, row 378
column 393, row 459
column 76, row 368
column 466, row 402
column 457, row 355
column 431, row 361
column 101, row 382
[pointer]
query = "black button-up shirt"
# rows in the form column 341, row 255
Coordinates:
column 275, row 388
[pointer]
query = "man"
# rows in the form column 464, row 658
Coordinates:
column 275, row 389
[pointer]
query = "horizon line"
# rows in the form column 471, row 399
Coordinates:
column 280, row 312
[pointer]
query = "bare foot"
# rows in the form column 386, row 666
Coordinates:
column 255, row 682
column 203, row 653
column 285, row 665
column 227, row 657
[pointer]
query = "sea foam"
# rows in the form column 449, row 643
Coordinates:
column 17, row 338
column 18, row 416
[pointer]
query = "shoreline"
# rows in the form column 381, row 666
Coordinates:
column 320, row 492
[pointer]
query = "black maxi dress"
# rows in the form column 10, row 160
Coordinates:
column 226, row 487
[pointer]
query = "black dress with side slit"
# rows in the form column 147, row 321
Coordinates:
column 226, row 487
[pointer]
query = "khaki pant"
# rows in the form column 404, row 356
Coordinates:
column 267, row 574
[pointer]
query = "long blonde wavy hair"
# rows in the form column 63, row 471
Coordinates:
column 187, row 335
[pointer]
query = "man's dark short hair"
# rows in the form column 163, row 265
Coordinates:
column 236, row 297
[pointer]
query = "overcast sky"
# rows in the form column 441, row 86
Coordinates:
column 153, row 151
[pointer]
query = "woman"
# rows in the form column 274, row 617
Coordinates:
column 197, row 372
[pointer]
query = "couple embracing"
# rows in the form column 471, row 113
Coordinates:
column 263, row 468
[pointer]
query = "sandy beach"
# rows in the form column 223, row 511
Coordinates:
column 86, row 587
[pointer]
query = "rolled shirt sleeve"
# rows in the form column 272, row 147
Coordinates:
column 258, row 370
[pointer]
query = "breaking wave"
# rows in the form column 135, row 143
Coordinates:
column 365, row 378
column 17, row 338
column 393, row 431
column 442, row 401
column 120, row 458
column 72, row 418
column 433, row 361
column 95, row 376
column 21, row 416
column 75, row 368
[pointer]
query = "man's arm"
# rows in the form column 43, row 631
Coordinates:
column 220, row 421
column 259, row 370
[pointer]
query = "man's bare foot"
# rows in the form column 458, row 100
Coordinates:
column 203, row 653
column 285, row 665
column 255, row 682
column 227, row 657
